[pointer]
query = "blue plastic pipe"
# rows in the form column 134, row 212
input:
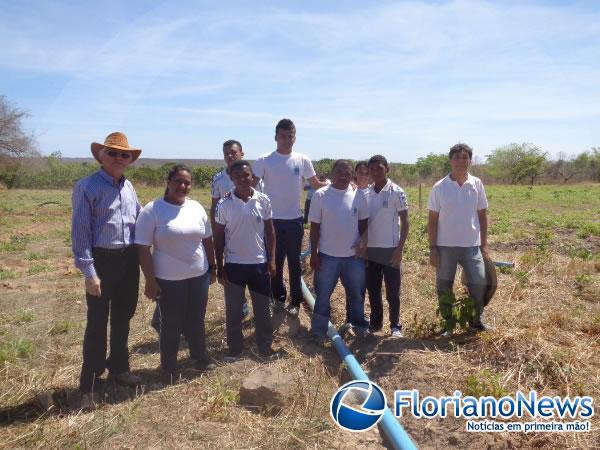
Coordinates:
column 396, row 435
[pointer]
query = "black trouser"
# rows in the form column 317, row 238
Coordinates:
column 119, row 278
column 306, row 209
column 288, row 243
column 256, row 278
column 380, row 268
column 182, row 310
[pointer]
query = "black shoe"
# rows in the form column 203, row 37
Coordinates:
column 479, row 325
column 270, row 354
column 231, row 357
column 203, row 365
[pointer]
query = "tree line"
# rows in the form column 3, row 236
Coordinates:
column 22, row 165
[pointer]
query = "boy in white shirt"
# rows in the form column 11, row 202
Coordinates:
column 387, row 202
column 244, row 235
column 457, row 228
column 222, row 184
column 283, row 172
column 338, row 217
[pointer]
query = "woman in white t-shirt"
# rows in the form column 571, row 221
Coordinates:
column 179, row 270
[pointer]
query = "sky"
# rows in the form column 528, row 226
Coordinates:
column 402, row 79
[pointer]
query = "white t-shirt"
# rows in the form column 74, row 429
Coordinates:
column 176, row 233
column 283, row 177
column 222, row 184
column 384, row 227
column 458, row 223
column 338, row 212
column 244, row 227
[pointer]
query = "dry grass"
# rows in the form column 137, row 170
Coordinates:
column 546, row 318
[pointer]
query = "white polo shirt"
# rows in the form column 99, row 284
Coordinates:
column 283, row 177
column 338, row 212
column 176, row 233
column 458, row 223
column 221, row 184
column 244, row 227
column 384, row 206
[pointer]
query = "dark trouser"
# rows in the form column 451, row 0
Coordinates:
column 306, row 209
column 379, row 268
column 182, row 310
column 256, row 278
column 288, row 243
column 119, row 278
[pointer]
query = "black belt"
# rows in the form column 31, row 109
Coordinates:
column 111, row 251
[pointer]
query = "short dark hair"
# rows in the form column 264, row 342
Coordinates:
column 460, row 147
column 239, row 165
column 378, row 159
column 361, row 164
column 230, row 142
column 339, row 162
column 285, row 124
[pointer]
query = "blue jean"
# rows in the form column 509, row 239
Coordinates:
column 351, row 271
column 471, row 260
column 182, row 309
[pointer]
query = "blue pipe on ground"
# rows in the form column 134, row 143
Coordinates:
column 394, row 432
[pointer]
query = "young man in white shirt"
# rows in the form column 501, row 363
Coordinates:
column 457, row 228
column 222, row 184
column 387, row 202
column 244, row 234
column 338, row 217
column 283, row 172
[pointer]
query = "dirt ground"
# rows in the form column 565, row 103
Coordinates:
column 545, row 337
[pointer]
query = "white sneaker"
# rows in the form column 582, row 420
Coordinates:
column 397, row 333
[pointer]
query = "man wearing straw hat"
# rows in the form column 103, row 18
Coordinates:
column 105, row 208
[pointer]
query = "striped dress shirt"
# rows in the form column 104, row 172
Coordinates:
column 104, row 215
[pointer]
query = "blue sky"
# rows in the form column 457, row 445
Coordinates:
column 398, row 78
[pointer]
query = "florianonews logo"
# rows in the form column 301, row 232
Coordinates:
column 358, row 406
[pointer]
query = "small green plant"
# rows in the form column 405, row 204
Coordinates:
column 15, row 349
column 23, row 316
column 16, row 243
column 421, row 327
column 582, row 280
column 6, row 274
column 38, row 268
column 34, row 256
column 455, row 311
column 505, row 270
column 587, row 229
column 522, row 277
column 483, row 384
column 61, row 327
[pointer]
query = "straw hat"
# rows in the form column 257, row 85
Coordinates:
column 491, row 279
column 116, row 141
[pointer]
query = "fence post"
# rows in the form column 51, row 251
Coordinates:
column 420, row 201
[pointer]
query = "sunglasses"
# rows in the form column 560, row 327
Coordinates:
column 114, row 154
